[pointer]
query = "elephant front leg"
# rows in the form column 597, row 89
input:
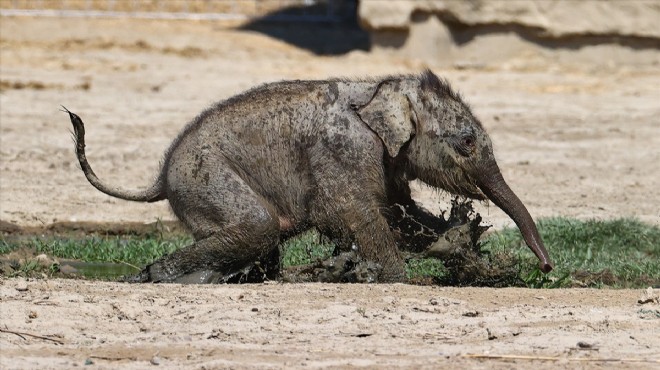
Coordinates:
column 375, row 242
column 365, row 241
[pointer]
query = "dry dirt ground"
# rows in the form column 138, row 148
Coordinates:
column 321, row 325
column 572, row 140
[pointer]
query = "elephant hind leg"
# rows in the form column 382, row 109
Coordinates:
column 234, row 228
column 217, row 258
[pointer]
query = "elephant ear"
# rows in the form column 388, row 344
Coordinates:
column 389, row 115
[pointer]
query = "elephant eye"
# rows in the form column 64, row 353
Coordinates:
column 466, row 145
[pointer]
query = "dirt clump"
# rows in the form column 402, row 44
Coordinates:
column 461, row 252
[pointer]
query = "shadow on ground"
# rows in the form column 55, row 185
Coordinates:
column 319, row 28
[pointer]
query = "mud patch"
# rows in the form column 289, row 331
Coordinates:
column 27, row 262
column 83, row 249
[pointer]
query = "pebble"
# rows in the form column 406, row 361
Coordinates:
column 22, row 286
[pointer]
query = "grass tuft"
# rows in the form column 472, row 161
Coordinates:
column 421, row 268
column 621, row 253
column 131, row 249
column 305, row 248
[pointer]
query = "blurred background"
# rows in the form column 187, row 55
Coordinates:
column 568, row 89
column 450, row 32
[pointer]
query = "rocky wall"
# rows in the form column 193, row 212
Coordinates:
column 482, row 33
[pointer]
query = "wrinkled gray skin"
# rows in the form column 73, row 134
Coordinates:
column 335, row 155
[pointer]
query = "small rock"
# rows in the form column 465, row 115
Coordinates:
column 155, row 360
column 585, row 345
column 649, row 297
column 32, row 315
column 22, row 286
column 491, row 336
column 254, row 309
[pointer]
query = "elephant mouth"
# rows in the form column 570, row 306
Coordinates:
column 465, row 187
column 471, row 191
column 475, row 193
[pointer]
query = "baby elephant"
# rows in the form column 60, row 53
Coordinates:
column 333, row 155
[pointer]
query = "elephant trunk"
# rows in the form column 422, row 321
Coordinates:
column 492, row 184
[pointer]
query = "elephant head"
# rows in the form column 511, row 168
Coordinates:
column 425, row 124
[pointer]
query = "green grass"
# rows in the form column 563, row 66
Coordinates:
column 421, row 268
column 619, row 253
column 131, row 249
column 615, row 253
column 306, row 248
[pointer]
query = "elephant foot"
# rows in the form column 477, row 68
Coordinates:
column 161, row 271
column 348, row 267
column 153, row 273
column 140, row 277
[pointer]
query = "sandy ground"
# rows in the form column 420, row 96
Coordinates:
column 280, row 326
column 571, row 140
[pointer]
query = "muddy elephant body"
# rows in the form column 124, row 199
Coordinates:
column 334, row 155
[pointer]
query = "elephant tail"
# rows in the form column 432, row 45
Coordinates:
column 152, row 194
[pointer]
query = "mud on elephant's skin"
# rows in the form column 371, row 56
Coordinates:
column 334, row 155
